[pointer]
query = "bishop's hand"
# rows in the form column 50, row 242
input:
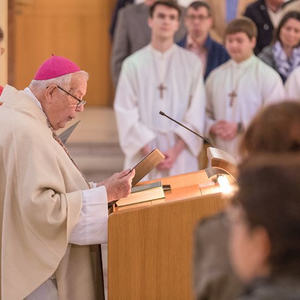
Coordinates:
column 118, row 185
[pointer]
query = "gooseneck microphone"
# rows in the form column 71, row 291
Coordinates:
column 200, row 136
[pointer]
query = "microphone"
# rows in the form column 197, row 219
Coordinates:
column 200, row 136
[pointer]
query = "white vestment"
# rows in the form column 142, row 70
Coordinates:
column 91, row 227
column 255, row 85
column 292, row 85
column 138, row 102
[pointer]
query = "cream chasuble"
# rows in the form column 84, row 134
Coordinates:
column 150, row 82
column 292, row 85
column 235, row 92
column 41, row 199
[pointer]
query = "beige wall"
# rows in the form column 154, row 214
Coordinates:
column 3, row 59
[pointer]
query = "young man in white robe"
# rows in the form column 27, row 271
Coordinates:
column 239, row 88
column 292, row 85
column 50, row 215
column 161, row 77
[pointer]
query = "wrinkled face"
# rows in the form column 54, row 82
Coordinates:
column 198, row 21
column 290, row 33
column 249, row 248
column 165, row 22
column 61, row 107
column 239, row 46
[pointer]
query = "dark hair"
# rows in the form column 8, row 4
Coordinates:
column 168, row 3
column 197, row 4
column 276, row 128
column 290, row 15
column 269, row 195
column 1, row 34
column 242, row 24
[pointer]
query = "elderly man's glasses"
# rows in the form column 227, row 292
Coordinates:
column 80, row 102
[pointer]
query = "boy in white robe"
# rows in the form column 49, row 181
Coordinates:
column 239, row 88
column 161, row 76
column 292, row 85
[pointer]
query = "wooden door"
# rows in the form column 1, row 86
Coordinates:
column 76, row 29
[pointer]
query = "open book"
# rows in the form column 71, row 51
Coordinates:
column 143, row 193
column 149, row 162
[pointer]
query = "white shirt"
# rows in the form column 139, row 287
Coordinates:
column 275, row 16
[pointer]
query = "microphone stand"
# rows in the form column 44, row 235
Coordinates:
column 200, row 136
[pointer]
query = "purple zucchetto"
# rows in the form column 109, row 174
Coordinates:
column 55, row 66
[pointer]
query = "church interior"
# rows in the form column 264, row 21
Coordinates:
column 179, row 180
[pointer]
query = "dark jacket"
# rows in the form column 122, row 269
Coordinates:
column 120, row 4
column 216, row 54
column 258, row 13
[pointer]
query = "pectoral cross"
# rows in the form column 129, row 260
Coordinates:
column 232, row 96
column 161, row 88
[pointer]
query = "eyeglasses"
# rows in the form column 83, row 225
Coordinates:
column 80, row 102
column 199, row 18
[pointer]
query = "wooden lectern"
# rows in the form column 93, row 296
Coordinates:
column 150, row 245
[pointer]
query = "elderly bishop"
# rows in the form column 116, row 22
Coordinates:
column 52, row 219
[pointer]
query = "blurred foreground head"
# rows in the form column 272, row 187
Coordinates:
column 265, row 218
column 275, row 129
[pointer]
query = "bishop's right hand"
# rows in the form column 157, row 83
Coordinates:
column 118, row 185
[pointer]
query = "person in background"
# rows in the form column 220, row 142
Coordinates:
column 120, row 4
column 161, row 76
column 266, row 15
column 198, row 21
column 265, row 227
column 284, row 53
column 133, row 33
column 237, row 89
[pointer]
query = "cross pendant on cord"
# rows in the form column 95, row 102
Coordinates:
column 232, row 96
column 161, row 88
